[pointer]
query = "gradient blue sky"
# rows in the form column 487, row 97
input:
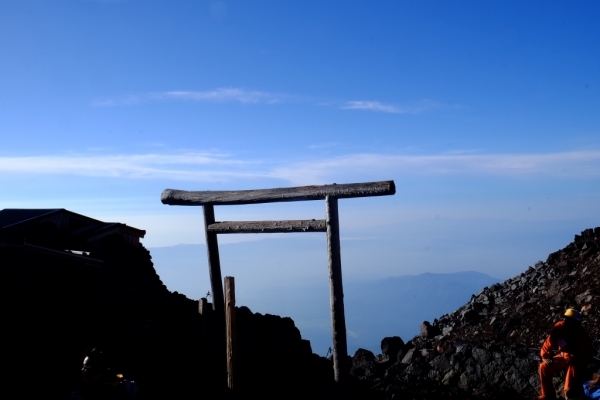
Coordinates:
column 486, row 115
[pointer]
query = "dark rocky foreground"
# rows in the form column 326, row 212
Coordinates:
column 59, row 303
column 489, row 348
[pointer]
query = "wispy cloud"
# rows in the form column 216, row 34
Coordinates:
column 220, row 95
column 199, row 166
column 414, row 108
column 245, row 96
column 186, row 166
column 576, row 164
column 227, row 94
column 371, row 106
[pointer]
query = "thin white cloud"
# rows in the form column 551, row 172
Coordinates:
column 244, row 96
column 576, row 164
column 226, row 95
column 220, row 95
column 415, row 108
column 187, row 166
column 210, row 167
column 371, row 105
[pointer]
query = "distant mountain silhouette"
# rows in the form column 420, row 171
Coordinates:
column 374, row 309
column 397, row 306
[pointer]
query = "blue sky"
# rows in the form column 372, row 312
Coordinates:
column 486, row 115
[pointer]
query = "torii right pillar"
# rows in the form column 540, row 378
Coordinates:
column 336, row 291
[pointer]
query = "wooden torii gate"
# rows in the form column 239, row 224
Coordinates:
column 330, row 193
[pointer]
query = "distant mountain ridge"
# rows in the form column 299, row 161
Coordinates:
column 397, row 306
column 374, row 309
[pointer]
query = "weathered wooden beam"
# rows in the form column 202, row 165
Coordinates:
column 214, row 262
column 336, row 292
column 216, row 285
column 231, row 328
column 268, row 226
column 347, row 190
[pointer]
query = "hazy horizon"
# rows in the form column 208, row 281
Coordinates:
column 375, row 307
column 287, row 276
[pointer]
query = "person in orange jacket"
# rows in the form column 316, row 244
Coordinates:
column 575, row 350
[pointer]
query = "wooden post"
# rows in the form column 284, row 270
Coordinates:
column 203, row 309
column 202, row 306
column 231, row 326
column 336, row 291
column 214, row 263
column 216, row 283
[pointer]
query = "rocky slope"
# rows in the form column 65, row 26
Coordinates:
column 489, row 347
column 58, row 306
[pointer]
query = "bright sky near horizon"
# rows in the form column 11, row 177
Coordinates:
column 480, row 111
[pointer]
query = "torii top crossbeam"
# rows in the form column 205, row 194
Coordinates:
column 330, row 193
column 174, row 197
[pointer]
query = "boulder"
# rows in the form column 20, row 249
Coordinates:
column 362, row 361
column 493, row 373
column 435, row 375
column 429, row 331
column 440, row 363
column 413, row 369
column 473, row 375
column 534, row 382
column 407, row 359
column 464, row 382
column 482, row 356
column 516, row 380
column 526, row 366
column 450, row 378
column 469, row 316
column 390, row 346
column 584, row 297
column 508, row 327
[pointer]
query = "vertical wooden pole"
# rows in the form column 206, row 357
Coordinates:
column 336, row 291
column 216, row 283
column 214, row 263
column 205, row 342
column 202, row 306
column 231, row 327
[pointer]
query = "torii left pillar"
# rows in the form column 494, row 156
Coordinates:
column 216, row 282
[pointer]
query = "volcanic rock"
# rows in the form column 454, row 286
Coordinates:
column 489, row 348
